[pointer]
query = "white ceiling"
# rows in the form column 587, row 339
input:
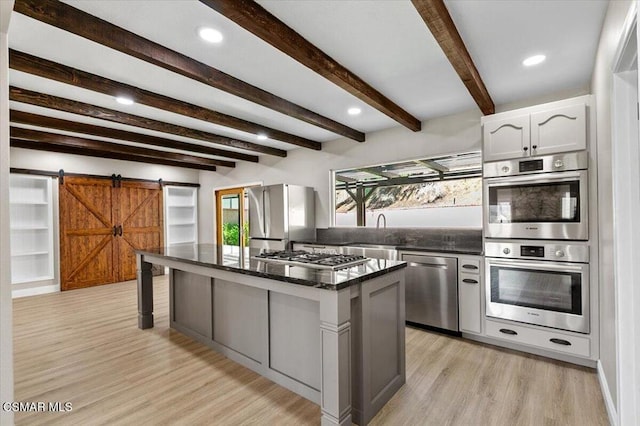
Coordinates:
column 384, row 42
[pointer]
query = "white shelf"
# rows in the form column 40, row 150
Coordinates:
column 184, row 242
column 28, row 203
column 31, row 228
column 31, row 279
column 34, row 253
column 181, row 206
column 183, row 224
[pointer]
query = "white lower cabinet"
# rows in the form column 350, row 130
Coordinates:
column 470, row 294
column 545, row 339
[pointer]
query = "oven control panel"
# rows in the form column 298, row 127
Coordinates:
column 558, row 251
column 543, row 164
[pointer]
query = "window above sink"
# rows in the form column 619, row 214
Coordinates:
column 444, row 191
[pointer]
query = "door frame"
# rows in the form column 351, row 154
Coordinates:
column 625, row 141
column 214, row 213
column 218, row 196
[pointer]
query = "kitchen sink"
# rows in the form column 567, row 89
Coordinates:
column 375, row 251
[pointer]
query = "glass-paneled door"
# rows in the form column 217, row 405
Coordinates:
column 232, row 220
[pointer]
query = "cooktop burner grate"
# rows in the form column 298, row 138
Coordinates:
column 315, row 260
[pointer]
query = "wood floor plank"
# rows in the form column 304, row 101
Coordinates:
column 84, row 346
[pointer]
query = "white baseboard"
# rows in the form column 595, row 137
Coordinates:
column 23, row 292
column 606, row 394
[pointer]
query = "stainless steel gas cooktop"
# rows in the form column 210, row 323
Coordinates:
column 312, row 260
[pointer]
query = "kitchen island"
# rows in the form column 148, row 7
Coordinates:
column 333, row 337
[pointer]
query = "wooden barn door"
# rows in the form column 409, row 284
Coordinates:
column 88, row 248
column 101, row 224
column 140, row 212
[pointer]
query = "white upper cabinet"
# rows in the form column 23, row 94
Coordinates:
column 545, row 129
column 506, row 138
column 559, row 130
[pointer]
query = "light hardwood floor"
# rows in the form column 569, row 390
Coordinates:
column 84, row 346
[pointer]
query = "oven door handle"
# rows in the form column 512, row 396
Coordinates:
column 542, row 265
column 549, row 177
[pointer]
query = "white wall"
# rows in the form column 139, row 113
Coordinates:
column 53, row 161
column 601, row 86
column 451, row 134
column 543, row 99
column 6, row 310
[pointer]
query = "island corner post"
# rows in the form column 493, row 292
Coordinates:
column 145, row 293
column 336, row 368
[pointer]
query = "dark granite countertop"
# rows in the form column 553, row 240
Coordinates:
column 229, row 258
column 448, row 248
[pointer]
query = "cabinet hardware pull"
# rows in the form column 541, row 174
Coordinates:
column 115, row 230
column 120, row 230
column 469, row 281
column 469, row 266
column 534, row 146
column 525, row 149
column 560, row 342
column 507, row 331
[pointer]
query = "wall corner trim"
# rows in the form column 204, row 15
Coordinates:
column 606, row 395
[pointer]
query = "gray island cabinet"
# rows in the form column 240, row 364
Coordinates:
column 336, row 338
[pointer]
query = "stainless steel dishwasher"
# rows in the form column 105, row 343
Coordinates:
column 431, row 290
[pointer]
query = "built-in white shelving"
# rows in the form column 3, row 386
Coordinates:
column 181, row 215
column 31, row 223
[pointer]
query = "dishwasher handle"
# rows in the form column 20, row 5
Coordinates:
column 414, row 260
column 428, row 265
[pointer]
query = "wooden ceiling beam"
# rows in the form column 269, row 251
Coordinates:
column 54, row 71
column 68, row 18
column 45, row 141
column 256, row 19
column 24, row 62
column 435, row 14
column 81, row 108
column 21, row 117
column 50, row 147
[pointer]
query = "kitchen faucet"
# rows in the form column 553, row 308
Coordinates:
column 378, row 221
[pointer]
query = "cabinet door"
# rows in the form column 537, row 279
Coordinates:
column 559, row 130
column 469, row 294
column 506, row 138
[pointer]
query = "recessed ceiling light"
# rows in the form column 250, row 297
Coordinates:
column 210, row 35
column 262, row 137
column 354, row 111
column 533, row 60
column 124, row 101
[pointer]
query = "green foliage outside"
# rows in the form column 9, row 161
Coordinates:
column 231, row 234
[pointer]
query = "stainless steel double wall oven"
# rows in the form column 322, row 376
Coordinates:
column 536, row 233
